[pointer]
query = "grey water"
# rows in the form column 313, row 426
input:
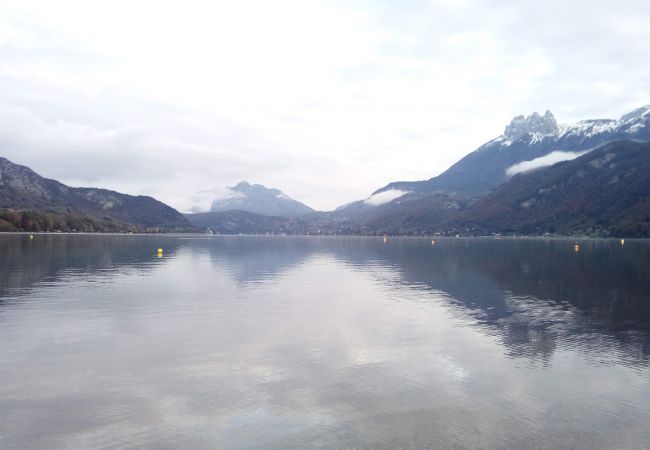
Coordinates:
column 296, row 342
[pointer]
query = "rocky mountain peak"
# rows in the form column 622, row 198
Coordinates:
column 521, row 126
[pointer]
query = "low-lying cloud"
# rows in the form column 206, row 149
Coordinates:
column 384, row 197
column 542, row 161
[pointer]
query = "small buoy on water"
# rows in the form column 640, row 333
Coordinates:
column 160, row 252
column 576, row 248
column 31, row 236
column 622, row 241
column 433, row 242
column 385, row 239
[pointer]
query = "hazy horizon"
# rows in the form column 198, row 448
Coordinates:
column 326, row 101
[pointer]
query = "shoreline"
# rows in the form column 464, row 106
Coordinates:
column 434, row 237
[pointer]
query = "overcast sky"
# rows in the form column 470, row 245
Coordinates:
column 326, row 100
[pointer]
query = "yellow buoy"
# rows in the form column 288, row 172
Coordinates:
column 160, row 252
column 622, row 241
column 576, row 248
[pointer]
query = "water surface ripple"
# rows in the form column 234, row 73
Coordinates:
column 280, row 342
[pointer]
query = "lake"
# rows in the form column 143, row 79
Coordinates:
column 331, row 342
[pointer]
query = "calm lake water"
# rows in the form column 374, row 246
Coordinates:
column 271, row 342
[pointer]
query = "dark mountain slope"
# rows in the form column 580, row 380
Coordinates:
column 412, row 213
column 23, row 189
column 606, row 191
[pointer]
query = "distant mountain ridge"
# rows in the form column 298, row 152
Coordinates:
column 23, row 189
column 258, row 199
column 526, row 139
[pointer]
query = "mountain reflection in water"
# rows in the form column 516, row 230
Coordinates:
column 326, row 342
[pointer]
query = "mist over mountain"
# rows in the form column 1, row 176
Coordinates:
column 259, row 199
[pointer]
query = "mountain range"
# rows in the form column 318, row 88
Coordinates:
column 537, row 177
column 530, row 149
column 528, row 139
column 605, row 192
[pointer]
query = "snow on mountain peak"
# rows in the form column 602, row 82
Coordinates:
column 536, row 128
column 638, row 113
column 535, row 124
column 589, row 128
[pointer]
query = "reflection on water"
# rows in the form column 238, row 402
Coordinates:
column 244, row 342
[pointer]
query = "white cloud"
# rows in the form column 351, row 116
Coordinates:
column 328, row 99
column 542, row 161
column 384, row 197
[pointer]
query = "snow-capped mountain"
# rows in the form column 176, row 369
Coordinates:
column 259, row 199
column 534, row 124
column 529, row 142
